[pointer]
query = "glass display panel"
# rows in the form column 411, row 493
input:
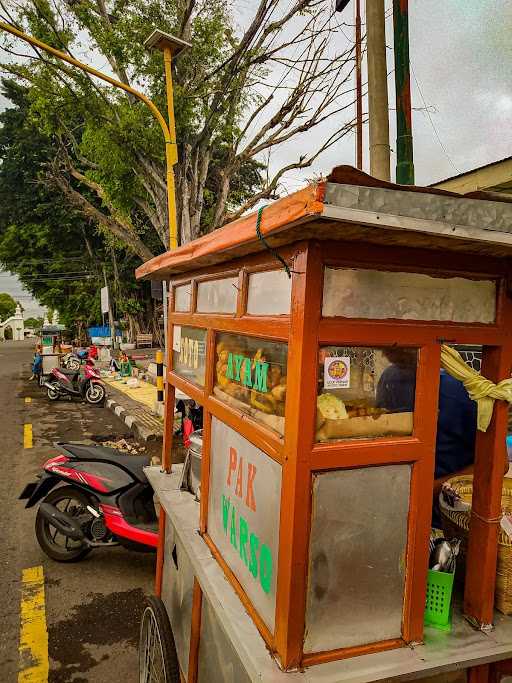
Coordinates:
column 250, row 375
column 218, row 661
column 177, row 590
column 183, row 298
column 357, row 557
column 243, row 514
column 407, row 296
column 269, row 293
column 365, row 392
column 189, row 353
column 217, row 296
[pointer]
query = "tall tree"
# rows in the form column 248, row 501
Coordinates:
column 58, row 256
column 239, row 95
column 7, row 305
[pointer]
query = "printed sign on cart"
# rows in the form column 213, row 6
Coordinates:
column 337, row 372
column 243, row 514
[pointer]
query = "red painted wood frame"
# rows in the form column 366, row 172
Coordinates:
column 300, row 457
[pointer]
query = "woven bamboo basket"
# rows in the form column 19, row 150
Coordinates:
column 456, row 524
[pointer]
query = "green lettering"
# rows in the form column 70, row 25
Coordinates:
column 226, row 504
column 265, row 568
column 260, row 376
column 232, row 532
column 238, row 364
column 244, row 537
column 229, row 369
column 254, row 543
column 247, row 373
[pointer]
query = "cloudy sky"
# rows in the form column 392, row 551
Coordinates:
column 461, row 56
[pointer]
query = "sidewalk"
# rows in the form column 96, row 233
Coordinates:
column 135, row 406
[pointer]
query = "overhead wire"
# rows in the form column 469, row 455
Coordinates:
column 445, row 151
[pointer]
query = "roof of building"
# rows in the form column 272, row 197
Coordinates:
column 493, row 177
column 353, row 206
column 471, row 170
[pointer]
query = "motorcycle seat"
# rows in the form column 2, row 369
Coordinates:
column 132, row 463
column 69, row 373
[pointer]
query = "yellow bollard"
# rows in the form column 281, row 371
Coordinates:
column 160, row 376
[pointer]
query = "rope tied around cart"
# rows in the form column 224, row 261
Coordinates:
column 274, row 253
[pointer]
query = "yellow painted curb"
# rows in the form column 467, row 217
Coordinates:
column 33, row 647
column 27, row 436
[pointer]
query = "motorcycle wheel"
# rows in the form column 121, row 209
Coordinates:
column 95, row 393
column 158, row 660
column 53, row 394
column 73, row 364
column 54, row 544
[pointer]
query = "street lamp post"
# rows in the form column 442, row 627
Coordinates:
column 170, row 46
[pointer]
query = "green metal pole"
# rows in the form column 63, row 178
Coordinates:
column 404, row 144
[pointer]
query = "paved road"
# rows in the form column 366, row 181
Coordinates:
column 92, row 607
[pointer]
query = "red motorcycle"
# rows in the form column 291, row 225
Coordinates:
column 70, row 383
column 106, row 500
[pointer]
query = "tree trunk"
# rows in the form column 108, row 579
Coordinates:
column 184, row 193
column 220, row 207
column 201, row 172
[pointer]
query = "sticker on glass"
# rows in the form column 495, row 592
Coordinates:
column 176, row 338
column 337, row 372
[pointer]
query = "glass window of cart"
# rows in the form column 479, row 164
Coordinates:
column 269, row 293
column 217, row 296
column 365, row 392
column 379, row 294
column 357, row 554
column 182, row 298
column 189, row 353
column 250, row 375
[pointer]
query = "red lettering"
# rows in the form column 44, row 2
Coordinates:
column 238, row 489
column 250, row 500
column 232, row 463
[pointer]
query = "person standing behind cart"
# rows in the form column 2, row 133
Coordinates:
column 456, row 420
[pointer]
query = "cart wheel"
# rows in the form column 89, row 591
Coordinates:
column 158, row 660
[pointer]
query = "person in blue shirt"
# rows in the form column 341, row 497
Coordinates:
column 456, row 420
column 457, row 413
column 456, row 428
column 37, row 363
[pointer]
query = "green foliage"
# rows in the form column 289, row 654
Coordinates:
column 57, row 255
column 7, row 306
column 34, row 323
column 111, row 139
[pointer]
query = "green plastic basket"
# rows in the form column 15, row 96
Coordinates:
column 439, row 599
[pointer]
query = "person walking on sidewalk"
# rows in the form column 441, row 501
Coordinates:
column 37, row 363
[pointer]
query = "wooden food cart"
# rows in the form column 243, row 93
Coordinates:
column 306, row 558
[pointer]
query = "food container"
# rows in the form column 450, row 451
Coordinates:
column 194, row 460
column 439, row 599
column 388, row 424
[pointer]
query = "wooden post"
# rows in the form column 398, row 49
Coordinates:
column 486, row 506
column 299, row 437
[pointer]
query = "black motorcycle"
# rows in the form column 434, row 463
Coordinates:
column 106, row 500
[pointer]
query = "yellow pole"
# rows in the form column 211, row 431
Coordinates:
column 169, row 132
column 172, row 157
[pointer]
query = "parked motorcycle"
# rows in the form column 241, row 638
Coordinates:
column 73, row 360
column 105, row 501
column 62, row 382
